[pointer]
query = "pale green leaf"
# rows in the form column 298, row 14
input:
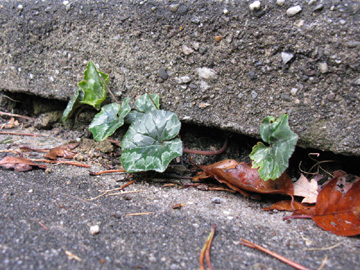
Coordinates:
column 109, row 119
column 142, row 105
column 151, row 143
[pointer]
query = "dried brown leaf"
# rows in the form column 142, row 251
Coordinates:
column 241, row 177
column 19, row 164
column 62, row 151
column 307, row 189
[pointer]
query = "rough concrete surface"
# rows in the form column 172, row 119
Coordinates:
column 44, row 216
column 214, row 63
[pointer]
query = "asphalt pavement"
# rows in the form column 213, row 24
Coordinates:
column 47, row 222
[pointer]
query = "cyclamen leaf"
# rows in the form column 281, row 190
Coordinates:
column 132, row 116
column 273, row 160
column 142, row 105
column 73, row 104
column 150, row 142
column 145, row 104
column 109, row 119
column 93, row 86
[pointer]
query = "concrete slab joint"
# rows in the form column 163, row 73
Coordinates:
column 243, row 60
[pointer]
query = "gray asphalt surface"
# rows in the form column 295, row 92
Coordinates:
column 44, row 219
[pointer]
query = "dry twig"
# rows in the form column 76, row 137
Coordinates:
column 106, row 171
column 139, row 214
column 21, row 134
column 115, row 189
column 73, row 163
column 324, row 248
column 17, row 115
column 277, row 256
column 323, row 262
column 72, row 256
column 205, row 252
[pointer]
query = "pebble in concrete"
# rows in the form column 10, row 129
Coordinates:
column 323, row 68
column 163, row 74
column 174, row 7
column 255, row 5
column 187, row 50
column 95, row 229
column 286, row 57
column 293, row 10
column 216, row 200
column 204, row 86
column 206, row 73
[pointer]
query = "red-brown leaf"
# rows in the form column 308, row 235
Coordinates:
column 247, row 178
column 240, row 177
column 338, row 205
column 19, row 164
column 62, row 151
column 287, row 205
column 208, row 169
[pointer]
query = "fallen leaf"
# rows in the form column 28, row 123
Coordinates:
column 307, row 189
column 242, row 177
column 287, row 205
column 19, row 164
column 338, row 206
column 62, row 151
column 11, row 123
column 207, row 169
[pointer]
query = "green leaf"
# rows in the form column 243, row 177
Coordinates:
column 93, row 86
column 150, row 142
column 73, row 104
column 142, row 105
column 146, row 104
column 109, row 119
column 273, row 160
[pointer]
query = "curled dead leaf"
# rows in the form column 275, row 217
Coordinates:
column 19, row 164
column 62, row 151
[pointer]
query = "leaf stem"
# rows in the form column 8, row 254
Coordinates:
column 111, row 93
column 152, row 100
column 207, row 153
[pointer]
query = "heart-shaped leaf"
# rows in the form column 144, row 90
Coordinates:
column 273, row 160
column 93, row 86
column 73, row 104
column 109, row 119
column 145, row 103
column 150, row 142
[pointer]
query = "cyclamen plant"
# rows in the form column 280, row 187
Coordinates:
column 151, row 141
